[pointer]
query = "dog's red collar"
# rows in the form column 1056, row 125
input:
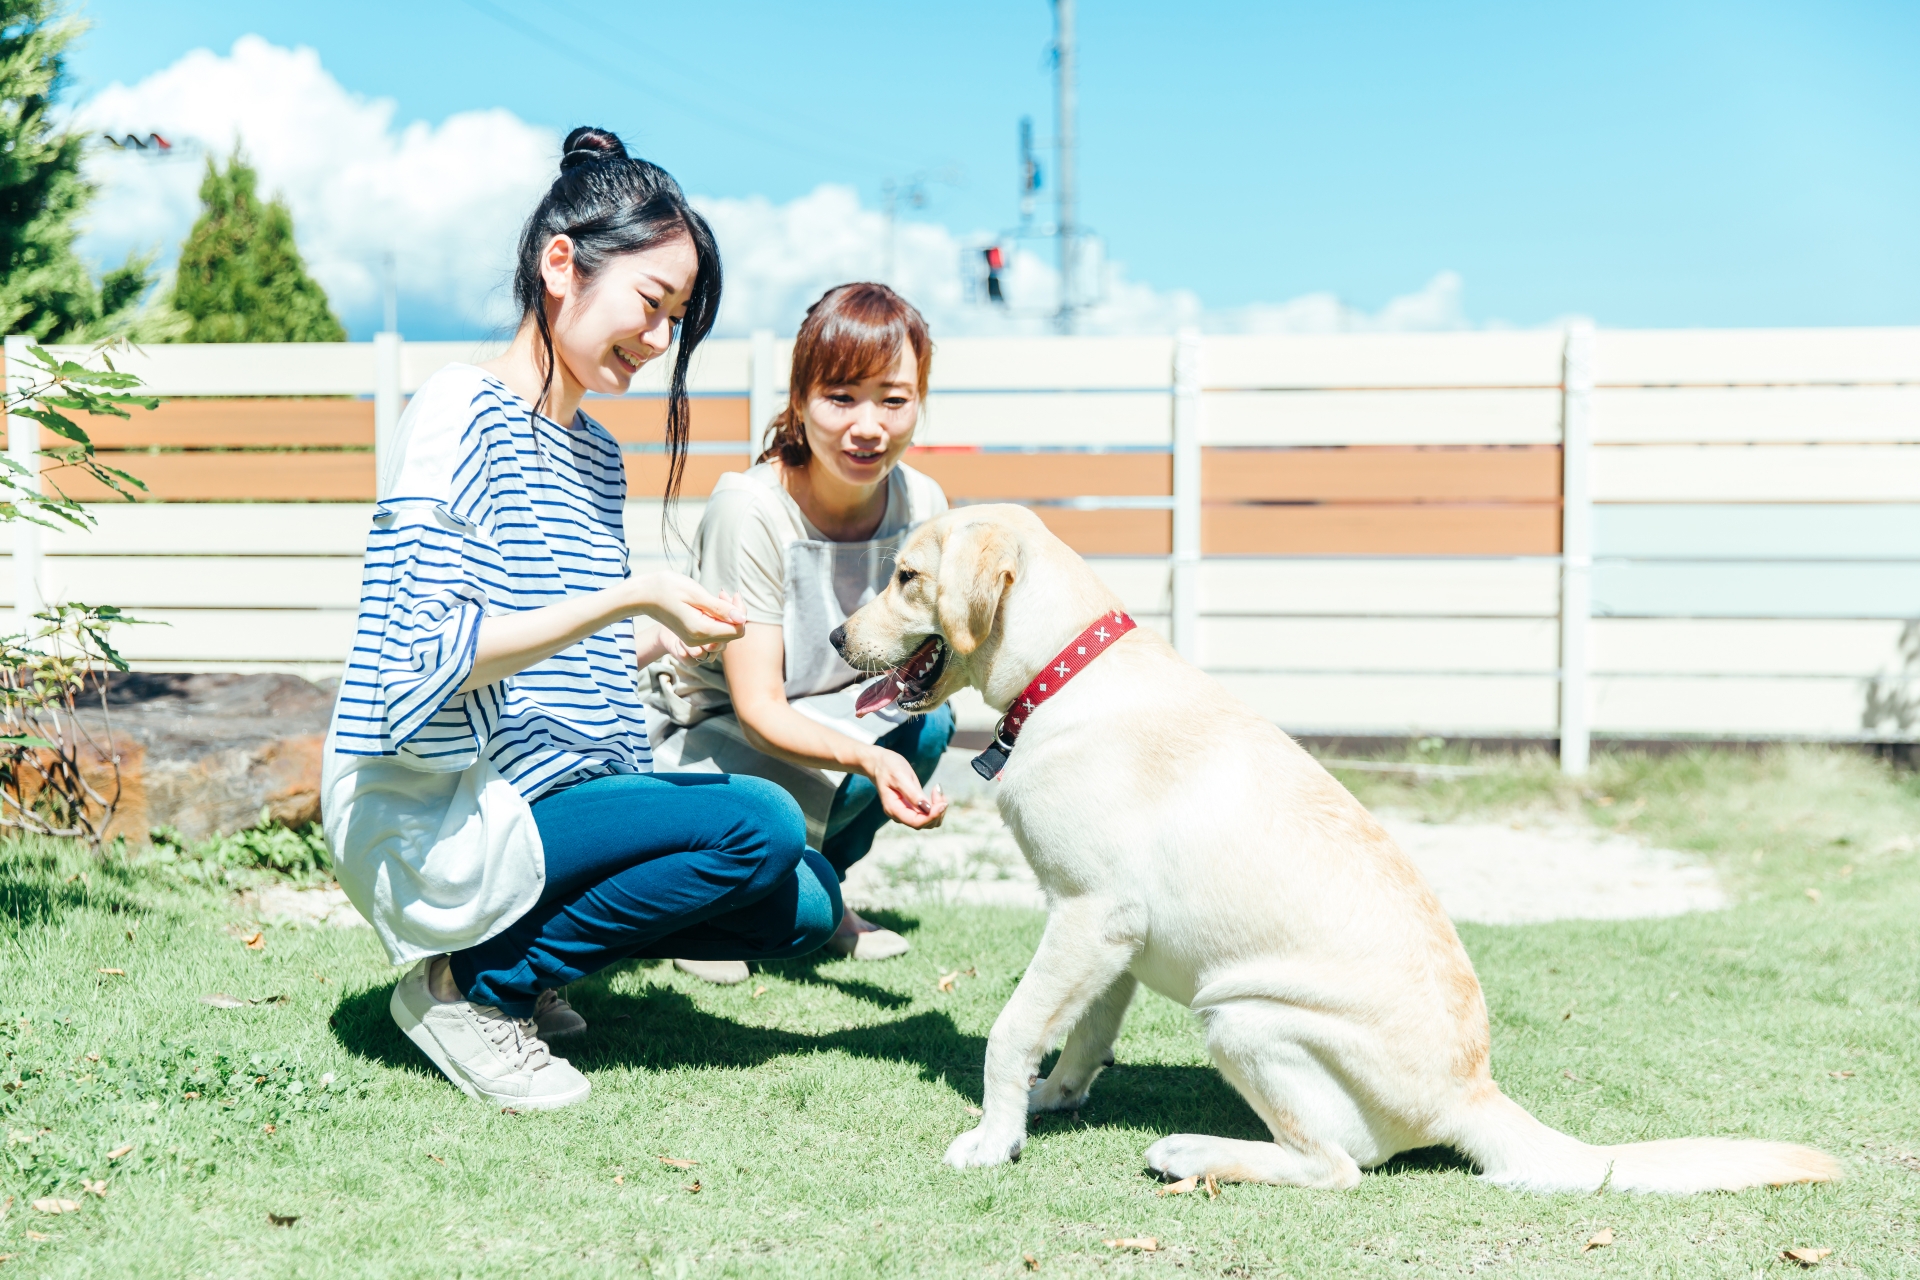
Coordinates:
column 1066, row 664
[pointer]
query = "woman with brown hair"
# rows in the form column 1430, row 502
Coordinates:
column 801, row 540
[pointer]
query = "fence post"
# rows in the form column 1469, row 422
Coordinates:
column 763, row 387
column 1188, row 373
column 1576, row 548
column 386, row 403
column 23, row 448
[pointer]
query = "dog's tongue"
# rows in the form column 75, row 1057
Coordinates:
column 880, row 693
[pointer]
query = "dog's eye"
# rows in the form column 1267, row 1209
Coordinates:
column 905, row 576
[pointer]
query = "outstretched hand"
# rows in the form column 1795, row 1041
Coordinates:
column 900, row 793
column 695, row 619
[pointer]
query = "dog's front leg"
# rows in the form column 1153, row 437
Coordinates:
column 1089, row 1051
column 1087, row 946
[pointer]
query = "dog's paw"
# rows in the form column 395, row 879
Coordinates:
column 1181, row 1155
column 980, row 1147
column 1052, row 1094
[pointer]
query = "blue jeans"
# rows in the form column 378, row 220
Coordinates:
column 856, row 816
column 704, row 866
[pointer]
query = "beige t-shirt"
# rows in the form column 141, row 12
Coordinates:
column 741, row 546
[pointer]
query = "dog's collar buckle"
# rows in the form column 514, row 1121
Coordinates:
column 1066, row 664
column 990, row 762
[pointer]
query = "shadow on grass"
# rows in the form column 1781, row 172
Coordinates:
column 660, row 1029
column 39, row 887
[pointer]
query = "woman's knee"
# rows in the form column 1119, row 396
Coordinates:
column 818, row 909
column 768, row 827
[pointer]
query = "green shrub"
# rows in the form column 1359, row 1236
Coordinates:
column 265, row 846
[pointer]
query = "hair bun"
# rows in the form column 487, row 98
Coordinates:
column 587, row 144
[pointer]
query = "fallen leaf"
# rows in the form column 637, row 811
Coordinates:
column 1033, row 1263
column 283, row 1219
column 1179, row 1188
column 1146, row 1244
column 269, row 1128
column 1805, row 1257
column 50, row 1205
column 974, row 1111
column 1576, row 1079
column 675, row 1162
column 619, row 1180
column 118, row 973
column 93, row 1057
column 38, row 1237
column 436, row 1159
column 269, row 1000
column 1841, row 1075
column 946, row 980
column 221, row 1000
column 758, row 992
column 694, row 1186
column 120, row 1151
column 1813, row 895
column 188, row 1097
column 94, row 1188
column 1598, row 1240
column 256, row 941
column 508, row 1111
column 1213, row 1188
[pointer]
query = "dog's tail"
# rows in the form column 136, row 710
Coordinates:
column 1515, row 1150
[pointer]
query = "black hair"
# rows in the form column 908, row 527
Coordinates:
column 608, row 203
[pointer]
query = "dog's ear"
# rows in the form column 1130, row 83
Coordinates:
column 977, row 565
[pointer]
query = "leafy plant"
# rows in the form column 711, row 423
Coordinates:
column 267, row 846
column 60, row 775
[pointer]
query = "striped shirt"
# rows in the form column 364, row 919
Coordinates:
column 495, row 510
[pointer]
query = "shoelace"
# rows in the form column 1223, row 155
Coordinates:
column 515, row 1039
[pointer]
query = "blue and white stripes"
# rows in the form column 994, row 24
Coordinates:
column 496, row 510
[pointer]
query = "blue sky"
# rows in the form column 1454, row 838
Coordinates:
column 1645, row 164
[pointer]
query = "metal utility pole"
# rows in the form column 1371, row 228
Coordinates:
column 1066, row 228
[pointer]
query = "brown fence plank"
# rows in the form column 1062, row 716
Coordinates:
column 201, row 424
column 647, row 473
column 643, row 420
column 1381, row 529
column 1111, row 533
column 1045, row 475
column 234, row 477
column 1528, row 473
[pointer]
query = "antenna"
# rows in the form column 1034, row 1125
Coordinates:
column 1064, row 108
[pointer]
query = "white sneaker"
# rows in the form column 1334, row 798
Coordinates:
column 724, row 973
column 492, row 1056
column 556, row 1018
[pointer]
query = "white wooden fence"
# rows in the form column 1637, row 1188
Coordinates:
column 1360, row 534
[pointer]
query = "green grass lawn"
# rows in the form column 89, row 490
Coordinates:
column 818, row 1108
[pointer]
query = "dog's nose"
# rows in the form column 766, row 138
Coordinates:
column 838, row 639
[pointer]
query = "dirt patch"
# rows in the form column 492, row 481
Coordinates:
column 286, row 904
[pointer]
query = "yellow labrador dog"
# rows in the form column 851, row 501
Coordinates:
column 1186, row 843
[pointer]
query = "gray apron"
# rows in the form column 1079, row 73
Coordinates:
column 826, row 583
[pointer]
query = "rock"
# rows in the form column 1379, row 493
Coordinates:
column 206, row 753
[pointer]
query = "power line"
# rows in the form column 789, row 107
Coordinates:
column 629, row 78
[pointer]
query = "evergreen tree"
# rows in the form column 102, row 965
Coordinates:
column 45, row 289
column 241, row 278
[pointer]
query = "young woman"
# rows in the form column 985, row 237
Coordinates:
column 803, row 539
column 489, row 797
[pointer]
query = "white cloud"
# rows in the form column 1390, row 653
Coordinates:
column 448, row 201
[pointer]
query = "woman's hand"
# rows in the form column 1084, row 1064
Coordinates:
column 695, row 617
column 900, row 793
